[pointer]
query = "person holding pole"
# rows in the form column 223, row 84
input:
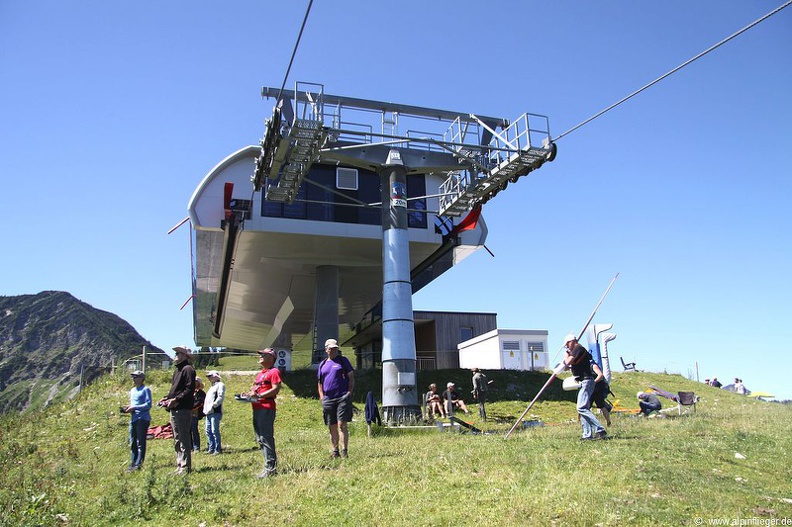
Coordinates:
column 578, row 359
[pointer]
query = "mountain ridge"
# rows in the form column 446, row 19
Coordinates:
column 50, row 340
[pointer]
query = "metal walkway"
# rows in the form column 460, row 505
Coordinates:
column 479, row 155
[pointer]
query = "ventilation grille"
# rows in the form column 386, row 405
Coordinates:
column 536, row 347
column 346, row 178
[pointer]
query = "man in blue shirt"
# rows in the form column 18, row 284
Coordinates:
column 336, row 383
column 139, row 406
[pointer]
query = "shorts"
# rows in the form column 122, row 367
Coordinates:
column 337, row 410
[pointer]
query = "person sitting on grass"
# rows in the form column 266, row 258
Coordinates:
column 452, row 400
column 648, row 402
column 434, row 403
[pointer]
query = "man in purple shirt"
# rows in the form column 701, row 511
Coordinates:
column 336, row 383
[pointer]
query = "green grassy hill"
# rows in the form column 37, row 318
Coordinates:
column 65, row 466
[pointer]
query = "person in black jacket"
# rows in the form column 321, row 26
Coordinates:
column 179, row 402
column 578, row 359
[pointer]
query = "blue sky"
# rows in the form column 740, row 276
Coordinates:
column 112, row 112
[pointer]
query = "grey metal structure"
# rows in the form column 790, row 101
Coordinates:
column 477, row 155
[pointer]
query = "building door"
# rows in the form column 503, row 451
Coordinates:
column 511, row 356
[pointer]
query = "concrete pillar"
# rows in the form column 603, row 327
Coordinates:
column 399, row 384
column 326, row 309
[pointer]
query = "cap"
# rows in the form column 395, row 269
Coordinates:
column 199, row 382
column 268, row 351
column 449, row 385
column 331, row 343
column 641, row 395
column 183, row 349
column 138, row 373
column 213, row 373
column 569, row 338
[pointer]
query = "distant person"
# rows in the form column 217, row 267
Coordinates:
column 707, row 382
column 179, row 402
column 213, row 410
column 139, row 406
column 434, row 403
column 452, row 400
column 480, row 391
column 336, row 382
column 579, row 360
column 262, row 397
column 739, row 387
column 197, row 414
column 648, row 402
column 715, row 383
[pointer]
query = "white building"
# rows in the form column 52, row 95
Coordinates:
column 506, row 349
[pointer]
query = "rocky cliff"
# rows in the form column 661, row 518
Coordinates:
column 50, row 341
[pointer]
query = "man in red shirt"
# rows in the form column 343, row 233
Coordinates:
column 262, row 397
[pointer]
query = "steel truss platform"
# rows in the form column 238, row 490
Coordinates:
column 478, row 155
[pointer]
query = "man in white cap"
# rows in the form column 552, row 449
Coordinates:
column 451, row 400
column 336, row 382
column 579, row 360
column 213, row 410
column 179, row 402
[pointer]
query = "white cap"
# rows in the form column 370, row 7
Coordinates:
column 569, row 338
column 331, row 343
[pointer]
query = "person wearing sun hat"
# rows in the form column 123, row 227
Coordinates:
column 213, row 410
column 139, row 406
column 179, row 402
column 262, row 397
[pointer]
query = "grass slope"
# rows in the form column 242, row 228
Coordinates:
column 66, row 466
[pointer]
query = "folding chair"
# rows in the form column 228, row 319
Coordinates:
column 628, row 366
column 687, row 399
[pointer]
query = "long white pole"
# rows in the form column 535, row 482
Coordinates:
column 553, row 376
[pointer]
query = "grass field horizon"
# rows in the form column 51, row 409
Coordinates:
column 728, row 460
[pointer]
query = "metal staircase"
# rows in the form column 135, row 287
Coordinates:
column 479, row 155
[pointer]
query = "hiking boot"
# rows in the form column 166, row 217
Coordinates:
column 602, row 436
column 335, row 454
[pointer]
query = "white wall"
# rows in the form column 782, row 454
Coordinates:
column 486, row 351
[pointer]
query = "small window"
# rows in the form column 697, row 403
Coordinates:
column 465, row 333
column 511, row 345
column 346, row 178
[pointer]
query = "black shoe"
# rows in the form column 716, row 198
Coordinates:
column 344, row 453
column 335, row 454
column 602, row 436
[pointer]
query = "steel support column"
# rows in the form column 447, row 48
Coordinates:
column 399, row 386
column 326, row 320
